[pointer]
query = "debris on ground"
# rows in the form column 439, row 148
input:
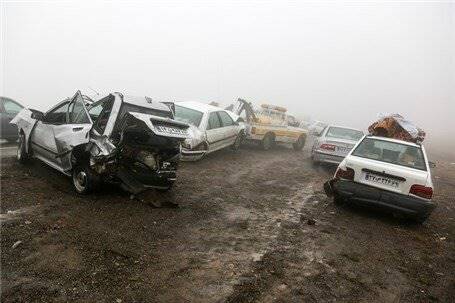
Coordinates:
column 16, row 244
column 311, row 221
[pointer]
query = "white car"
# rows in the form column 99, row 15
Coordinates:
column 211, row 129
column 385, row 173
column 334, row 143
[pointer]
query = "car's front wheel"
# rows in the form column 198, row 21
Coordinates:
column 85, row 179
column 267, row 142
column 22, row 155
column 238, row 141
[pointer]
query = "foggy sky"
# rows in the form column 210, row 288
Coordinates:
column 342, row 63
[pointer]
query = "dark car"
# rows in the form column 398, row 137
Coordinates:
column 8, row 110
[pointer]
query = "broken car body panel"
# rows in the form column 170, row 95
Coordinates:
column 129, row 139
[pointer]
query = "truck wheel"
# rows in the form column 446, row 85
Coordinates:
column 85, row 179
column 238, row 141
column 22, row 155
column 298, row 146
column 267, row 141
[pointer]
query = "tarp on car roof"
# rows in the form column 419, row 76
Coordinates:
column 397, row 127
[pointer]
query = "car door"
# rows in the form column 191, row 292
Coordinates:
column 229, row 129
column 8, row 110
column 63, row 128
column 214, row 131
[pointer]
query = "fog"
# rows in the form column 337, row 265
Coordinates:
column 337, row 62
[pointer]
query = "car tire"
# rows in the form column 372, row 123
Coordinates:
column 267, row 142
column 338, row 200
column 298, row 146
column 21, row 154
column 238, row 141
column 420, row 220
column 85, row 180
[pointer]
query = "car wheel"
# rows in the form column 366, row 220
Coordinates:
column 338, row 200
column 21, row 154
column 298, row 146
column 420, row 220
column 267, row 141
column 85, row 179
column 238, row 141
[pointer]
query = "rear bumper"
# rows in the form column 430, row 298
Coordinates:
column 378, row 198
column 326, row 158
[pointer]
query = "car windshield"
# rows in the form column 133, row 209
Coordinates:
column 187, row 115
column 391, row 152
column 344, row 133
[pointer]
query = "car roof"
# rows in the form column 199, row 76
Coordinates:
column 393, row 140
column 199, row 106
column 345, row 127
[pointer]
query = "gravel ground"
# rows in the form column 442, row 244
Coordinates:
column 246, row 226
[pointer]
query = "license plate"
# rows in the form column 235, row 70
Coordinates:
column 382, row 180
column 343, row 149
column 171, row 130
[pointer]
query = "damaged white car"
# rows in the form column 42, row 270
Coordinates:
column 211, row 128
column 133, row 141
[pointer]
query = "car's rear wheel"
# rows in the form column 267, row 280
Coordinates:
column 85, row 179
column 21, row 154
column 298, row 146
column 267, row 141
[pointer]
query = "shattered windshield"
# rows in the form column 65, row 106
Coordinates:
column 187, row 115
column 391, row 152
column 344, row 133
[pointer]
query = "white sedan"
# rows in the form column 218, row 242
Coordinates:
column 388, row 174
column 211, row 129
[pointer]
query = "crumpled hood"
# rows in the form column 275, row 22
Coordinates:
column 195, row 136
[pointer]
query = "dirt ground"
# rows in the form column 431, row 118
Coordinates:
column 240, row 233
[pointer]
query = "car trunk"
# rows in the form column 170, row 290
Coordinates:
column 389, row 177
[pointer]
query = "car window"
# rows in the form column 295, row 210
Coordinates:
column 100, row 114
column 226, row 120
column 188, row 115
column 77, row 113
column 11, row 107
column 57, row 115
column 391, row 152
column 344, row 133
column 214, row 121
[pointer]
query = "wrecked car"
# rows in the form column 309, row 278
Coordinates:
column 269, row 125
column 211, row 128
column 388, row 174
column 133, row 141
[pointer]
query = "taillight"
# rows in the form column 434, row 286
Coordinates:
column 421, row 191
column 347, row 174
column 325, row 146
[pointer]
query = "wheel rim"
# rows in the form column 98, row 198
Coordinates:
column 80, row 181
column 19, row 148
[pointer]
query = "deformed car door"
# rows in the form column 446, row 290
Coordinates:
column 229, row 128
column 62, row 128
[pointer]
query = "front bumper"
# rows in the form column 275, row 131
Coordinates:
column 326, row 158
column 192, row 155
column 378, row 198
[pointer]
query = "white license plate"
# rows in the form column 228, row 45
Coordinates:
column 382, row 180
column 171, row 130
column 343, row 149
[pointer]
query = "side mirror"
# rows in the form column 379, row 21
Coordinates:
column 37, row 115
column 432, row 164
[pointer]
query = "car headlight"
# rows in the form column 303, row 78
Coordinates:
column 186, row 144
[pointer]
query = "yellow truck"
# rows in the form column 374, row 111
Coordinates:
column 269, row 125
